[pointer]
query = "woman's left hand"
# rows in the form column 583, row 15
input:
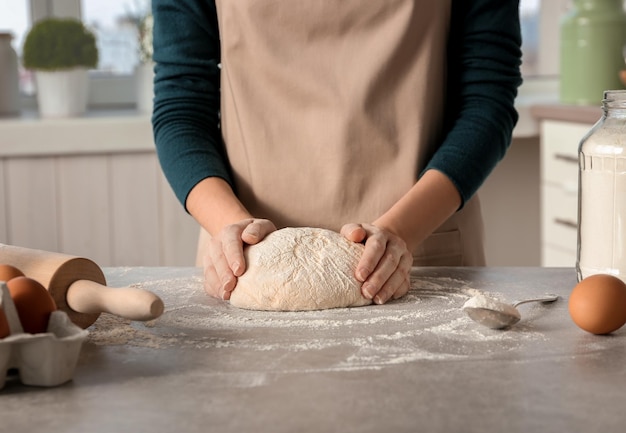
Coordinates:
column 385, row 266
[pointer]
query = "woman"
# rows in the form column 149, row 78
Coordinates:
column 379, row 120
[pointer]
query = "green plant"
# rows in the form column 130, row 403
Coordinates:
column 146, row 27
column 55, row 43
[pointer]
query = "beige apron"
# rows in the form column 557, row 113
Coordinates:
column 330, row 109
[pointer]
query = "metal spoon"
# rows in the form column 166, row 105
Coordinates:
column 495, row 314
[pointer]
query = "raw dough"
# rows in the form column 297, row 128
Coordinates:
column 297, row 269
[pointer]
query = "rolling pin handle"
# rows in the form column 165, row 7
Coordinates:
column 84, row 296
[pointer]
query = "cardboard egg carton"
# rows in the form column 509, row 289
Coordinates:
column 45, row 359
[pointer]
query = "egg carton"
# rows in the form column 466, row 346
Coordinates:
column 44, row 359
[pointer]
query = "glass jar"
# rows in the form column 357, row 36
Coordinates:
column 9, row 77
column 593, row 34
column 602, row 192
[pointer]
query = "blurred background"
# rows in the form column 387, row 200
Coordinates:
column 115, row 23
column 92, row 186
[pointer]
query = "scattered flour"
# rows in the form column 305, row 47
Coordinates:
column 427, row 324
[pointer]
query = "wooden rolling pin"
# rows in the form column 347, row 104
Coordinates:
column 78, row 286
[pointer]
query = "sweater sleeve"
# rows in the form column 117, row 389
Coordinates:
column 483, row 75
column 484, row 57
column 185, row 117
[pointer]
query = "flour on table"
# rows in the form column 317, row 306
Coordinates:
column 426, row 324
column 300, row 269
column 491, row 304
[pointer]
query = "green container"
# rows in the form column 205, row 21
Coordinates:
column 593, row 34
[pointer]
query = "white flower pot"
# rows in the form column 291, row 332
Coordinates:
column 62, row 93
column 144, row 76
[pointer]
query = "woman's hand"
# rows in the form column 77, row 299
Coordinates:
column 224, row 261
column 385, row 265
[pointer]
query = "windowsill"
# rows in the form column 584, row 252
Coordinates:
column 127, row 130
column 587, row 114
column 98, row 131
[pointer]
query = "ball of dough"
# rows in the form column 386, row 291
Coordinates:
column 299, row 269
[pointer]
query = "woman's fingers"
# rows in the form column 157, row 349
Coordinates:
column 398, row 284
column 256, row 231
column 219, row 278
column 225, row 261
column 354, row 232
column 385, row 264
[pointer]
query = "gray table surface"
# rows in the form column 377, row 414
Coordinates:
column 417, row 364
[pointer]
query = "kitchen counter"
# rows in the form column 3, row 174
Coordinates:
column 567, row 113
column 416, row 364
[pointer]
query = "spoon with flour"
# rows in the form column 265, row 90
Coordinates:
column 495, row 314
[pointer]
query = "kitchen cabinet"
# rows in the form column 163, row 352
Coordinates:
column 91, row 187
column 561, row 129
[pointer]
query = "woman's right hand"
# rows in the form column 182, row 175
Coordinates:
column 224, row 260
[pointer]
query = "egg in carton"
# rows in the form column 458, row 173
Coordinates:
column 43, row 359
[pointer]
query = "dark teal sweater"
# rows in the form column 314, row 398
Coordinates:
column 483, row 76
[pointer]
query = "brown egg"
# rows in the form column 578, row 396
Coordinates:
column 5, row 330
column 7, row 272
column 32, row 302
column 598, row 304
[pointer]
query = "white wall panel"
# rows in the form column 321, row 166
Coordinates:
column 84, row 203
column 31, row 200
column 91, row 186
column 178, row 230
column 135, row 209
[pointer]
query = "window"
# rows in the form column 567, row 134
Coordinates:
column 14, row 19
column 540, row 21
column 529, row 17
column 115, row 24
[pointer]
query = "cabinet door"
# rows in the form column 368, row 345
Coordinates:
column 84, row 201
column 134, row 209
column 178, row 230
column 559, row 152
column 31, row 201
column 559, row 218
column 115, row 209
column 555, row 257
column 559, row 190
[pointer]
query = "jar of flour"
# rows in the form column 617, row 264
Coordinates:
column 602, row 192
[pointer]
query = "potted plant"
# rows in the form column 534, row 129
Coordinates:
column 60, row 51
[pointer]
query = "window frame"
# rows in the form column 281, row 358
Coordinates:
column 119, row 91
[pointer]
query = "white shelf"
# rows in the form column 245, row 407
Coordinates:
column 99, row 131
